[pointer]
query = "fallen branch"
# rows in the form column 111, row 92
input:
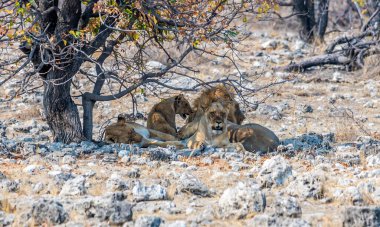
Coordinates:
column 327, row 59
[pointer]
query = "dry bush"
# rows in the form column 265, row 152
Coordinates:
column 345, row 130
column 33, row 112
column 371, row 68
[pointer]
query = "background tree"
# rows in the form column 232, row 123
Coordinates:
column 361, row 18
column 58, row 37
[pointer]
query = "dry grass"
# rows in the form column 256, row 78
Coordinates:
column 371, row 68
column 345, row 130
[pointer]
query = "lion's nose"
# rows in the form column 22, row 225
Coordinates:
column 219, row 121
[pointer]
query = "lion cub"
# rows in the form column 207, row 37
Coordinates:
column 212, row 129
column 162, row 115
column 133, row 133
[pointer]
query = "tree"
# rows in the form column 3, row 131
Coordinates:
column 346, row 50
column 313, row 19
column 58, row 37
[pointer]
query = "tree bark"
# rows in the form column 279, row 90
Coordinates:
column 61, row 112
column 327, row 59
column 305, row 11
column 323, row 18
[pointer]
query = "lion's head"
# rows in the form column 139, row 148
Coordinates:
column 222, row 94
column 182, row 106
column 121, row 132
column 216, row 116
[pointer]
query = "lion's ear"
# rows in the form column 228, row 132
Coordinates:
column 227, row 105
column 178, row 98
column 121, row 118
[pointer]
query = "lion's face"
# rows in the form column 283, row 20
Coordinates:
column 132, row 137
column 122, row 134
column 182, row 106
column 219, row 94
column 216, row 115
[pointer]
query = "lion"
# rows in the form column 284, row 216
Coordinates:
column 215, row 94
column 162, row 115
column 212, row 129
column 218, row 93
column 133, row 133
column 254, row 137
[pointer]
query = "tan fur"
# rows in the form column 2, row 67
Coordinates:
column 215, row 94
column 254, row 137
column 162, row 115
column 212, row 129
column 218, row 93
column 133, row 133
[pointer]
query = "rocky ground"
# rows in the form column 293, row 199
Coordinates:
column 325, row 173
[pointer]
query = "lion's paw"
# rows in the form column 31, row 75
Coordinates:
column 196, row 145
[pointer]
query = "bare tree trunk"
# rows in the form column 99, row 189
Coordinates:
column 61, row 112
column 305, row 11
column 323, row 18
column 88, row 104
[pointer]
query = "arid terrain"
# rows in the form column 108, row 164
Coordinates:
column 325, row 173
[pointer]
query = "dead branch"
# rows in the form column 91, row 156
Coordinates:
column 327, row 59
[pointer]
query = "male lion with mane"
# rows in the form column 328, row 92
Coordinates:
column 254, row 137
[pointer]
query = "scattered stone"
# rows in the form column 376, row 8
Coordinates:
column 275, row 171
column 307, row 109
column 61, row 178
column 123, row 153
column 148, row 221
column 165, row 206
column 134, row 173
column 275, row 221
column 352, row 196
column 287, row 207
column 149, row 193
column 373, row 160
column 189, row 183
column 112, row 208
column 48, row 212
column 30, row 169
column 241, row 200
column 76, row 186
column 362, row 216
column 114, row 183
column 2, row 176
column 10, row 185
column 6, row 219
column 308, row 185
column 120, row 212
column 38, row 187
column 154, row 65
column 369, row 104
column 68, row 159
column 270, row 44
column 177, row 224
column 312, row 141
column 179, row 164
column 109, row 159
column 88, row 147
column 271, row 111
column 348, row 158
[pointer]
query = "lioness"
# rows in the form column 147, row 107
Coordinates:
column 254, row 137
column 162, row 115
column 133, row 133
column 212, row 129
